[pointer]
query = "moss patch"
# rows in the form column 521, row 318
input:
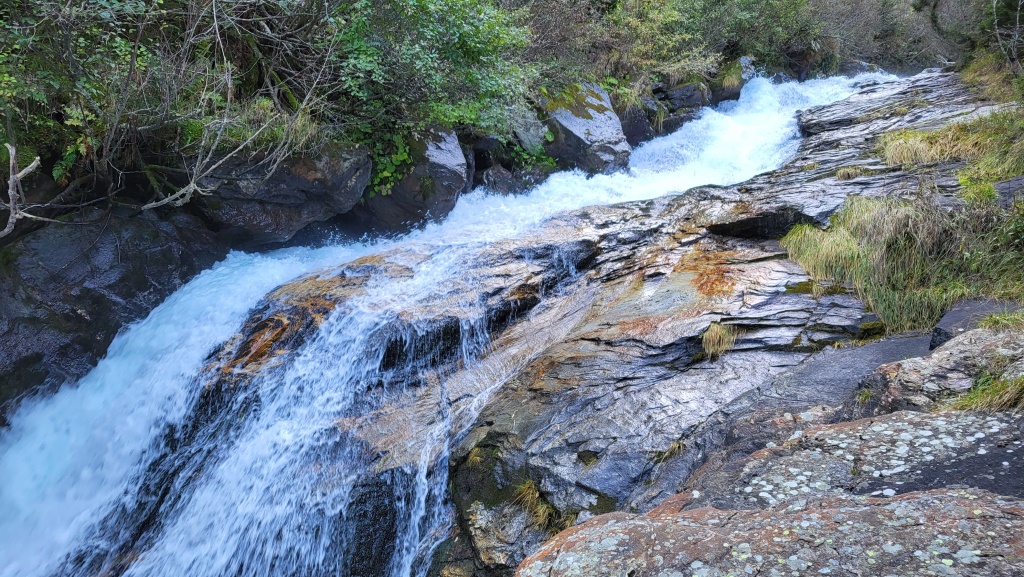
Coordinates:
column 8, row 256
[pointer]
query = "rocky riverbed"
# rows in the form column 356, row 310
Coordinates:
column 663, row 377
column 629, row 413
column 646, row 388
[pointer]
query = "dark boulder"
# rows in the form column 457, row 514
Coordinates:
column 587, row 132
column 965, row 316
column 731, row 78
column 922, row 383
column 1010, row 191
column 499, row 180
column 429, row 192
column 691, row 95
column 253, row 205
column 637, row 126
column 69, row 288
column 674, row 121
column 855, row 67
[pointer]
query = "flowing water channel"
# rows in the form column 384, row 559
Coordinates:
column 127, row 472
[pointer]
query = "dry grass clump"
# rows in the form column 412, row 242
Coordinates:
column 528, row 497
column 475, row 457
column 911, row 147
column 717, row 339
column 545, row 516
column 851, row 172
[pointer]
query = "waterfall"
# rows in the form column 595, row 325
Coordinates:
column 153, row 465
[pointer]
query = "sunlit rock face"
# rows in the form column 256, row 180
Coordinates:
column 823, row 535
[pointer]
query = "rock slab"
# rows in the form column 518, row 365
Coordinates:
column 957, row 532
column 252, row 205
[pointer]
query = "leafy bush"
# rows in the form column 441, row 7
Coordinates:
column 117, row 90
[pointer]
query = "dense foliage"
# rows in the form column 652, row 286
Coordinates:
column 143, row 97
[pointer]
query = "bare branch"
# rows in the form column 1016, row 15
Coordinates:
column 15, row 194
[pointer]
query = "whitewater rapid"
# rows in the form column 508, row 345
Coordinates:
column 71, row 460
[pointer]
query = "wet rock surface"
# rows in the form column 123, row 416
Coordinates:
column 925, row 382
column 690, row 95
column 966, row 315
column 69, row 289
column 629, row 406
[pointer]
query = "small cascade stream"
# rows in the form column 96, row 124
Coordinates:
column 159, row 463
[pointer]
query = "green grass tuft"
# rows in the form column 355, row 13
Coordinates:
column 991, row 394
column 992, row 146
column 1004, row 321
column 910, row 261
column 864, row 396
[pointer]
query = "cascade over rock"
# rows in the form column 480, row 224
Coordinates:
column 551, row 372
column 627, row 406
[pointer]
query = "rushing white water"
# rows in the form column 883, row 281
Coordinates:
column 273, row 495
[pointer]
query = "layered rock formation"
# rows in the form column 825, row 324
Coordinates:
column 636, row 348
